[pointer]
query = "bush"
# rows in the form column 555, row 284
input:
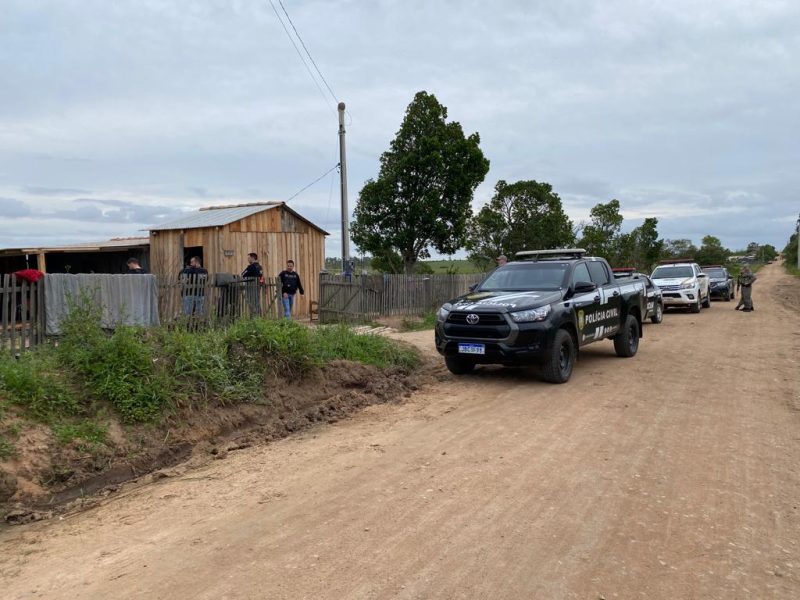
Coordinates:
column 119, row 367
column 32, row 381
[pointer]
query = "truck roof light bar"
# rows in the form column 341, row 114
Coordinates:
column 555, row 254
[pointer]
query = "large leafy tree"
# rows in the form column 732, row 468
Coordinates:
column 600, row 237
column 422, row 196
column 522, row 215
column 680, row 248
column 711, row 252
column 641, row 248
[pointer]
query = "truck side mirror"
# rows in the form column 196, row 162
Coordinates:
column 584, row 287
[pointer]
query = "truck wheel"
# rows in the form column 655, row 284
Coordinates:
column 458, row 366
column 658, row 315
column 561, row 358
column 695, row 308
column 626, row 342
column 707, row 301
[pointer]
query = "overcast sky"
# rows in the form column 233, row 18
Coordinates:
column 117, row 115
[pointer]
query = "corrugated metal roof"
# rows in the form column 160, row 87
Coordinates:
column 114, row 243
column 215, row 217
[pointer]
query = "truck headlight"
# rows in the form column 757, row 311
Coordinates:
column 687, row 286
column 531, row 315
column 441, row 316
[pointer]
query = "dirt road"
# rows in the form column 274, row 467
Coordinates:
column 674, row 474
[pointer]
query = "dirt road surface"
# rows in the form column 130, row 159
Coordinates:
column 670, row 475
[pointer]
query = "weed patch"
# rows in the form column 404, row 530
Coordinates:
column 89, row 431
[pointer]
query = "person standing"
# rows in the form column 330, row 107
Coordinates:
column 744, row 286
column 194, row 278
column 502, row 260
column 290, row 285
column 134, row 268
column 252, row 275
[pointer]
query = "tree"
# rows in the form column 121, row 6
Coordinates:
column 641, row 248
column 523, row 215
column 711, row 252
column 422, row 196
column 681, row 248
column 600, row 236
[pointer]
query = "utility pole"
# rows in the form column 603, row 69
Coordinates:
column 797, row 229
column 343, row 179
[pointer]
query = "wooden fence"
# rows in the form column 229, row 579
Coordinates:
column 21, row 314
column 364, row 297
column 201, row 301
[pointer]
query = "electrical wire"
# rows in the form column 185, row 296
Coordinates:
column 311, row 58
column 296, row 49
column 336, row 166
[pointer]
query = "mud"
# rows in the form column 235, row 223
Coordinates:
column 46, row 478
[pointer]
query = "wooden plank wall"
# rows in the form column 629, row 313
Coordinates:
column 21, row 314
column 225, row 249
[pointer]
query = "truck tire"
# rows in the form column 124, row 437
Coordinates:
column 707, row 301
column 458, row 366
column 557, row 367
column 626, row 342
column 695, row 308
column 658, row 315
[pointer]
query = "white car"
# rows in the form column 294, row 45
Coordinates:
column 683, row 284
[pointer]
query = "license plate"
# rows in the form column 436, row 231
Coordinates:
column 471, row 349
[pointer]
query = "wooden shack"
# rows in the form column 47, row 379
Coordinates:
column 222, row 236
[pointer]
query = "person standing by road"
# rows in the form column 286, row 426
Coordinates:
column 194, row 278
column 290, row 285
column 744, row 286
column 502, row 260
column 252, row 276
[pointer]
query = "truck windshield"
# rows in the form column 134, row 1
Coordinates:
column 672, row 272
column 715, row 273
column 532, row 276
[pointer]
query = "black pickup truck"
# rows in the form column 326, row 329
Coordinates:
column 540, row 309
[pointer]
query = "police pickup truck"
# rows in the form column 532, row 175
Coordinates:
column 540, row 309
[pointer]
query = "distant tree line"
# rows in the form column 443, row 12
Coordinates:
column 422, row 201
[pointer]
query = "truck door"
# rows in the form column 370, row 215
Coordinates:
column 608, row 313
column 586, row 305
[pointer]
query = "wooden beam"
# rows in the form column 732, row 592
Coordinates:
column 41, row 262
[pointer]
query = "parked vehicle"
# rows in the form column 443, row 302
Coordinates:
column 682, row 284
column 540, row 309
column 655, row 303
column 721, row 282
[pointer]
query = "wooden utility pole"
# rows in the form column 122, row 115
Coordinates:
column 343, row 179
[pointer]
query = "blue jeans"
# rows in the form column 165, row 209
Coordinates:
column 288, row 303
column 192, row 305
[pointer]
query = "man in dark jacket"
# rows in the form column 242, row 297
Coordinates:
column 290, row 285
column 194, row 278
column 134, row 268
column 252, row 275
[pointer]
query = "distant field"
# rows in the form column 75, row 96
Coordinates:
column 453, row 266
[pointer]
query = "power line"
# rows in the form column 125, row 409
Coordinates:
column 336, row 166
column 313, row 62
column 296, row 49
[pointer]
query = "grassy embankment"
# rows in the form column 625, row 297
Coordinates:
column 140, row 375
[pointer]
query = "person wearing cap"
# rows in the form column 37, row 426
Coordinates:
column 502, row 260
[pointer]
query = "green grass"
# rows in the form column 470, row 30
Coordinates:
column 792, row 269
column 89, row 431
column 339, row 342
column 7, row 449
column 142, row 375
column 425, row 322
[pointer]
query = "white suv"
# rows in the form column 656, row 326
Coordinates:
column 683, row 284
